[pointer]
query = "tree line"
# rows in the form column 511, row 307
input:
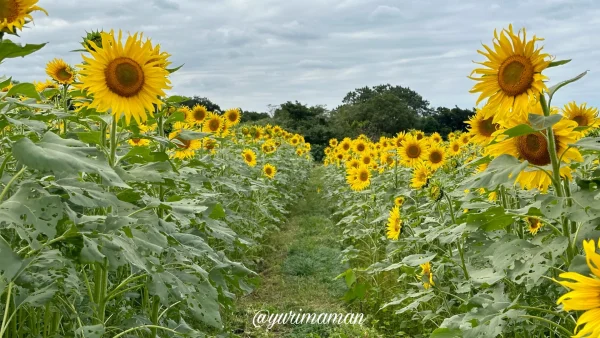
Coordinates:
column 382, row 110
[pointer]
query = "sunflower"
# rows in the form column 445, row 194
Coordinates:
column 435, row 138
column 268, row 147
column 269, row 170
column 399, row 201
column 196, row 115
column 534, row 224
column 584, row 294
column 41, row 86
column 185, row 148
column 353, row 163
column 436, row 156
column 412, row 151
column 534, row 149
column 451, row 136
column 14, row 14
column 60, row 71
column 394, row 225
column 454, row 148
column 421, row 175
column 213, row 124
column 7, row 88
column 366, row 159
column 359, row 178
column 346, row 144
column 249, row 157
column 138, row 142
column 387, row 158
column 209, row 143
column 427, row 275
column 482, row 126
column 232, row 116
column 360, row 145
column 513, row 74
column 295, row 140
column 465, row 139
column 126, row 79
column 584, row 116
column 399, row 138
column 419, row 135
column 333, row 142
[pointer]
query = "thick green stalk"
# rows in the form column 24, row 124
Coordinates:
column 101, row 281
column 6, row 310
column 113, row 143
column 12, row 180
column 154, row 314
column 552, row 150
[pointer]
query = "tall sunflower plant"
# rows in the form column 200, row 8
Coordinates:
column 478, row 233
column 124, row 212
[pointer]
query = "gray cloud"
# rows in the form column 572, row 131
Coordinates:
column 255, row 53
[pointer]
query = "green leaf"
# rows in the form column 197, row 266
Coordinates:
column 90, row 331
column 177, row 116
column 491, row 219
column 9, row 49
column 522, row 129
column 541, row 122
column 191, row 135
column 592, row 143
column 558, row 63
column 446, row 333
column 177, row 99
column 418, row 259
column 173, row 70
column 65, row 156
column 559, row 85
column 37, row 126
column 502, row 170
column 217, row 212
column 4, row 83
column 91, row 137
column 25, row 89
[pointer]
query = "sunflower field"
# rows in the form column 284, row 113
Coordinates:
column 487, row 233
column 122, row 213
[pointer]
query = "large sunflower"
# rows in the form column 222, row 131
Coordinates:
column 584, row 294
column 249, row 157
column 360, row 145
column 359, row 178
column 582, row 114
column 513, row 73
column 394, row 225
column 14, row 14
column 196, row 115
column 436, row 156
column 412, row 151
column 232, row 116
column 482, row 126
column 127, row 79
column 213, row 124
column 346, row 144
column 534, row 148
column 60, row 71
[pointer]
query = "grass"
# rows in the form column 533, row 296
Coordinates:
column 297, row 273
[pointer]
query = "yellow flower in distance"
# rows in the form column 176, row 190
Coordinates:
column 249, row 157
column 421, row 175
column 427, row 275
column 232, row 116
column 124, row 78
column 60, row 71
column 582, row 114
column 584, row 294
column 394, row 225
column 196, row 115
column 359, row 178
column 269, row 170
column 138, row 142
column 412, row 151
column 512, row 73
column 213, row 124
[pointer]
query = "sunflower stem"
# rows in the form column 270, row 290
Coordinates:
column 113, row 142
column 12, row 180
column 552, row 150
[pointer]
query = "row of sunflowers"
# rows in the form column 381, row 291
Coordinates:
column 124, row 213
column 484, row 233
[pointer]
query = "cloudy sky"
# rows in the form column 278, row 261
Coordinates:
column 252, row 53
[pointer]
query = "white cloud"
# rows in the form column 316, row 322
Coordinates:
column 255, row 53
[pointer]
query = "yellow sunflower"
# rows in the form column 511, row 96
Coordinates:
column 346, row 144
column 360, row 145
column 269, row 170
column 232, row 116
column 399, row 201
column 359, row 178
column 41, row 86
column 249, row 157
column 534, row 148
column 126, row 79
column 482, row 127
column 421, row 175
column 398, row 139
column 465, row 139
column 353, row 163
column 584, row 294
column 412, row 151
column 582, row 114
column 213, row 124
column 436, row 156
column 185, row 148
column 534, row 224
column 454, row 148
column 333, row 142
column 138, row 142
column 366, row 159
column 451, row 136
column 435, row 138
column 196, row 115
column 60, row 71
column 419, row 135
column 513, row 73
column 14, row 14
column 394, row 225
column 427, row 275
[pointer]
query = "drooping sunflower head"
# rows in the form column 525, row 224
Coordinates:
column 14, row 14
column 482, row 126
column 269, row 170
column 196, row 115
column 249, row 157
column 232, row 116
column 513, row 73
column 213, row 124
column 394, row 225
column 412, row 151
column 124, row 78
column 534, row 224
column 60, row 71
column 582, row 114
column 434, row 190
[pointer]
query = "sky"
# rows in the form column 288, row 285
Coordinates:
column 256, row 53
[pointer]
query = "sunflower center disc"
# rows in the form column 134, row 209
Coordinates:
column 63, row 74
column 214, row 125
column 534, row 148
column 397, row 226
column 248, row 158
column 413, row 151
column 435, row 157
column 487, row 128
column 515, row 75
column 581, row 120
column 364, row 176
column 366, row 160
column 360, row 147
column 199, row 115
column 124, row 77
column 9, row 10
